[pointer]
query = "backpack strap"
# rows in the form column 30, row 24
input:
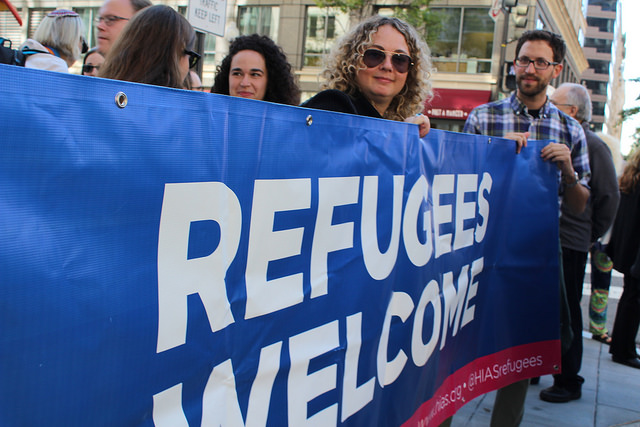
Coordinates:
column 27, row 51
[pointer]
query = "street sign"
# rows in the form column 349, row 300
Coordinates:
column 208, row 16
column 495, row 10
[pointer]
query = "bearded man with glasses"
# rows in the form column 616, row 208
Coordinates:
column 112, row 17
column 528, row 113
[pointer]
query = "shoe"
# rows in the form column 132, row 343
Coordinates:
column 556, row 394
column 534, row 381
column 633, row 362
column 604, row 338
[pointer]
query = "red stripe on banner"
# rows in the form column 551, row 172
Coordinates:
column 486, row 374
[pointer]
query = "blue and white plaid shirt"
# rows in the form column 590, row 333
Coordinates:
column 510, row 115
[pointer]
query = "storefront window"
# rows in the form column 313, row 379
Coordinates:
column 465, row 41
column 324, row 26
column 259, row 20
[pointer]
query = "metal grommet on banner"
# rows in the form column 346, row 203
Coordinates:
column 121, row 99
column 309, row 120
column 489, row 140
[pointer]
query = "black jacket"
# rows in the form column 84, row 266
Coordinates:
column 335, row 100
column 624, row 246
column 578, row 232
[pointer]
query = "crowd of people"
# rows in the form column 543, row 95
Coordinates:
column 381, row 68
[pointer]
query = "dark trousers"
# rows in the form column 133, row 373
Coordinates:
column 573, row 264
column 625, row 326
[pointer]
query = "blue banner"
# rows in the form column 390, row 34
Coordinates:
column 177, row 258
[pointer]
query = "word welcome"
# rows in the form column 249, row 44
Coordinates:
column 437, row 218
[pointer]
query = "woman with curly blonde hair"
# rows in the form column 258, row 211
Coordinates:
column 381, row 68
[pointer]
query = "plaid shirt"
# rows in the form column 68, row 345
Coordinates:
column 510, row 115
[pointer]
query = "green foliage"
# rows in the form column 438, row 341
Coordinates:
column 415, row 12
column 627, row 114
column 418, row 14
column 344, row 5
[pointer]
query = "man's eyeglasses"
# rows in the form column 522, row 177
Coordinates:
column 193, row 57
column 538, row 64
column 374, row 57
column 109, row 20
column 86, row 69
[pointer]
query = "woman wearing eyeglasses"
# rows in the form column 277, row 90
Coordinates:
column 256, row 68
column 381, row 68
column 92, row 62
column 57, row 42
column 155, row 47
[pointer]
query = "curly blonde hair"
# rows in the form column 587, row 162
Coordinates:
column 345, row 60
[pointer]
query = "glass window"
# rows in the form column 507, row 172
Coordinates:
column 35, row 16
column 599, row 67
column 323, row 27
column 476, row 45
column 88, row 14
column 259, row 20
column 444, row 49
column 10, row 29
column 465, row 40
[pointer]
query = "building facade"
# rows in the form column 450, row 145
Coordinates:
column 600, row 49
column 472, row 47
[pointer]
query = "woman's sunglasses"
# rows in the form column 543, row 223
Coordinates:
column 193, row 57
column 374, row 57
column 89, row 68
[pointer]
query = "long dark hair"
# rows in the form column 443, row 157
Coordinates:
column 281, row 83
column 150, row 48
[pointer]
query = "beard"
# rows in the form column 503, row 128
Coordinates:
column 531, row 89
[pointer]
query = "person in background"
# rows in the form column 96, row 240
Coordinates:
column 59, row 39
column 381, row 69
column 112, row 18
column 193, row 82
column 601, row 267
column 624, row 251
column 155, row 48
column 578, row 232
column 256, row 68
column 92, row 62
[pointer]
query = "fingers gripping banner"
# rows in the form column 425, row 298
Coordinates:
column 190, row 259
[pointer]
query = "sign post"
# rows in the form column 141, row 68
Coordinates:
column 208, row 16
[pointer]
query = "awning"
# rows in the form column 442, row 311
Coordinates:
column 6, row 5
column 455, row 104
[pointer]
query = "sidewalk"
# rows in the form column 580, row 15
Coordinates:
column 610, row 397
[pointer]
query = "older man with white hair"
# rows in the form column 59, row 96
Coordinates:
column 578, row 232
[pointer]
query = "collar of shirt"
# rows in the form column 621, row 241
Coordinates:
column 519, row 108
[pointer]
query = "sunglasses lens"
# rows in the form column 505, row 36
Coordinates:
column 401, row 62
column 373, row 57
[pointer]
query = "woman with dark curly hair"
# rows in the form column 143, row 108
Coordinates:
column 155, row 47
column 256, row 68
column 381, row 68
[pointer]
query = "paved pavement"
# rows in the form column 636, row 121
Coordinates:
column 610, row 394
